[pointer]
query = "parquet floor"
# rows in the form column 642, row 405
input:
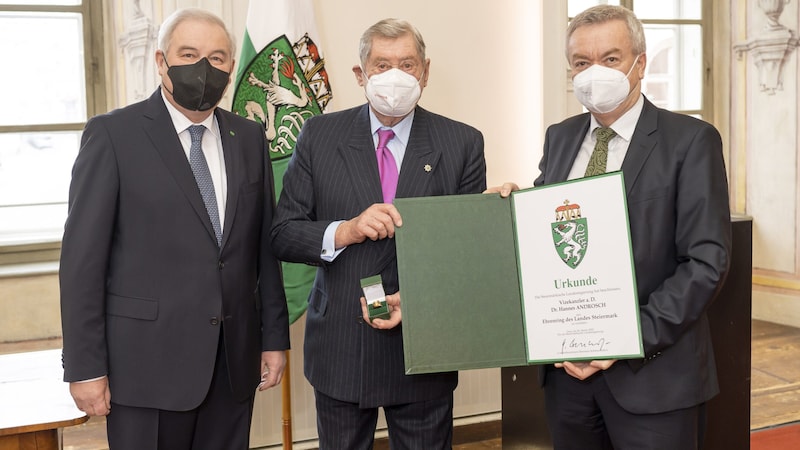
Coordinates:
column 775, row 375
column 775, row 391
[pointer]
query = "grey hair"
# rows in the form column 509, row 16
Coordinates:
column 605, row 13
column 389, row 29
column 198, row 14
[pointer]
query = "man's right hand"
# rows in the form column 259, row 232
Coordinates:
column 376, row 222
column 92, row 397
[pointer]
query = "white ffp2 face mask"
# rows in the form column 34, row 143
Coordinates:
column 393, row 93
column 602, row 89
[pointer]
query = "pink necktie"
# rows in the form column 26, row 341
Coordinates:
column 387, row 168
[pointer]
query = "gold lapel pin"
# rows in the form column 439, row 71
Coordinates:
column 428, row 168
column 232, row 133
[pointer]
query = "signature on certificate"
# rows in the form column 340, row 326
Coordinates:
column 582, row 345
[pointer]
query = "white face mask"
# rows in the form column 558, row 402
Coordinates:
column 393, row 93
column 602, row 89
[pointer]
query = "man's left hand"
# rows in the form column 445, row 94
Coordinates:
column 505, row 190
column 272, row 366
column 395, row 315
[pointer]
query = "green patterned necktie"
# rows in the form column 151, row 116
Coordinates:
column 597, row 162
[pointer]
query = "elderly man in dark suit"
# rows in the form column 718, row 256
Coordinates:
column 677, row 197
column 335, row 211
column 172, row 302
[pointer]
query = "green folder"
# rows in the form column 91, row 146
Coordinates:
column 466, row 261
column 458, row 320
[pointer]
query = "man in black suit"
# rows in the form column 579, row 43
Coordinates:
column 173, row 309
column 677, row 197
column 334, row 212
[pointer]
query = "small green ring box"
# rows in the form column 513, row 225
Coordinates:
column 377, row 308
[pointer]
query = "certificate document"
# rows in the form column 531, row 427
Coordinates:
column 577, row 280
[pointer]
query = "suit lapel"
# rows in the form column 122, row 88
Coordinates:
column 233, row 170
column 161, row 131
column 642, row 144
column 568, row 145
column 420, row 160
column 358, row 153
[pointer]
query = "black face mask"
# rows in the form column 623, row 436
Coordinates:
column 198, row 86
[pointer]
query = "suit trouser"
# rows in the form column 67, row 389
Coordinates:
column 583, row 415
column 422, row 425
column 219, row 423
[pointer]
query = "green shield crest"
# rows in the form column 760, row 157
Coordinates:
column 571, row 239
column 281, row 88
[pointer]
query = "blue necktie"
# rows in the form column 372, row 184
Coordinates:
column 203, row 177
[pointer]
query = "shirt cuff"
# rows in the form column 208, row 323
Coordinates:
column 329, row 251
column 91, row 379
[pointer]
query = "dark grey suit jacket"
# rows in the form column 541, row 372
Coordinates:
column 677, row 194
column 144, row 287
column 333, row 175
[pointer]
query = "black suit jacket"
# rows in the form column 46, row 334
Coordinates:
column 145, row 289
column 333, row 175
column 677, row 195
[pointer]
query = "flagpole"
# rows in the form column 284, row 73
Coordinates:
column 286, row 400
column 282, row 30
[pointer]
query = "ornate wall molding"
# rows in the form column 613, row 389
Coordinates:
column 137, row 44
column 771, row 47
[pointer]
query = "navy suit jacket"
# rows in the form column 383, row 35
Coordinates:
column 145, row 289
column 677, row 196
column 333, row 175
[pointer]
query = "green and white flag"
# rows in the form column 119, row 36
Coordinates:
column 281, row 82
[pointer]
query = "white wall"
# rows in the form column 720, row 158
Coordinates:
column 486, row 68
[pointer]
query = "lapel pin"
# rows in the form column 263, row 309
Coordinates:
column 232, row 133
column 427, row 168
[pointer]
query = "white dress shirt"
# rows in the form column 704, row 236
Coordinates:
column 617, row 146
column 212, row 149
